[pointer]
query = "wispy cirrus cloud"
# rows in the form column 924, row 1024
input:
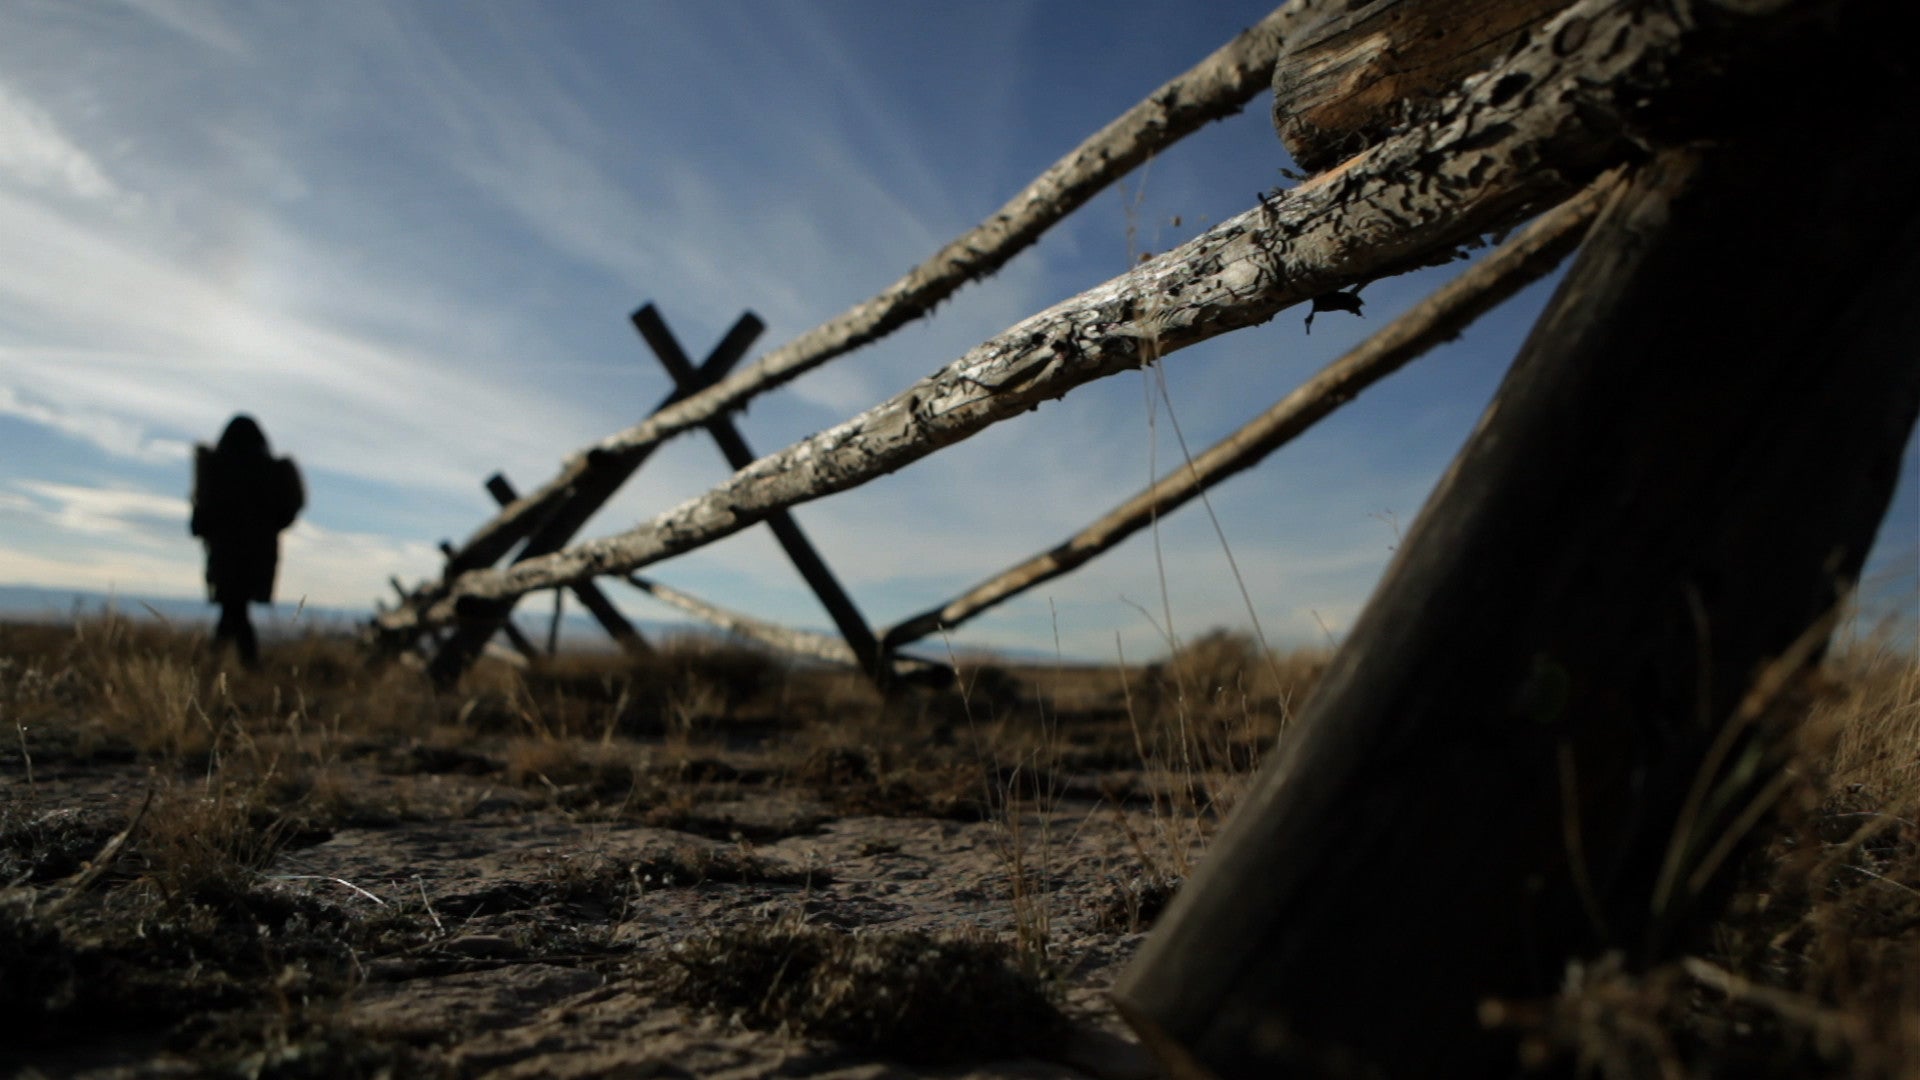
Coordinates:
column 115, row 512
column 197, row 20
column 36, row 153
column 113, row 434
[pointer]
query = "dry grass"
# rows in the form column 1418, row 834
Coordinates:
column 1814, row 968
column 109, row 914
column 920, row 998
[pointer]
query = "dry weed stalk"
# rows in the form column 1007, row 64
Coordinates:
column 1811, row 971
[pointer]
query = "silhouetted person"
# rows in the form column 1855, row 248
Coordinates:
column 242, row 497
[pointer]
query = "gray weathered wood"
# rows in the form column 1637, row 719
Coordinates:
column 1552, row 116
column 514, row 637
column 553, row 626
column 1353, row 71
column 554, row 523
column 559, row 509
column 1217, row 87
column 1521, row 261
column 802, row 643
column 617, row 626
column 733, row 446
column 452, row 656
column 1563, row 706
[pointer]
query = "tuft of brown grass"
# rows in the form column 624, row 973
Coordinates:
column 1813, row 969
column 917, row 997
column 1873, row 715
column 688, row 686
column 206, row 843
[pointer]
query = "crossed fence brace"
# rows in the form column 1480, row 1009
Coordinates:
column 455, row 652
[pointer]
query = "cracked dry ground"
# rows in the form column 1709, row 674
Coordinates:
column 505, row 935
column 908, row 896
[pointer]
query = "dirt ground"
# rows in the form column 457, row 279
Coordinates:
column 531, row 925
column 707, row 863
column 246, row 886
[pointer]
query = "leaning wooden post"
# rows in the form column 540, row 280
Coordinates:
column 1217, row 87
column 1555, row 717
column 733, row 446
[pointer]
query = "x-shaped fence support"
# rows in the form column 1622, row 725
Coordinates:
column 846, row 617
column 591, row 597
column 593, row 491
column 459, row 649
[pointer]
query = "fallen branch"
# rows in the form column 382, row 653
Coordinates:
column 805, row 643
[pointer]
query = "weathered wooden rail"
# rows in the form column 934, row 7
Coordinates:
column 1564, row 706
column 1219, row 86
column 1524, row 260
column 1547, row 120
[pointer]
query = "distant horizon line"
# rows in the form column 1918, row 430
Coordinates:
column 42, row 602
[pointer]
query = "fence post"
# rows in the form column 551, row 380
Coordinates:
column 1520, row 261
column 513, row 635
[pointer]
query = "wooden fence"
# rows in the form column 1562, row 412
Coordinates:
column 543, row 522
column 1561, row 711
column 1298, row 246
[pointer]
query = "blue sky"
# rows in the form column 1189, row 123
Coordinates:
column 406, row 236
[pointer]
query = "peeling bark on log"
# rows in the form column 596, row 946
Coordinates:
column 1552, row 116
column 1586, row 627
column 1217, row 87
column 802, row 643
column 1518, row 263
column 1351, row 73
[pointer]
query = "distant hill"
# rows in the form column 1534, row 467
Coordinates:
column 28, row 603
column 31, row 603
